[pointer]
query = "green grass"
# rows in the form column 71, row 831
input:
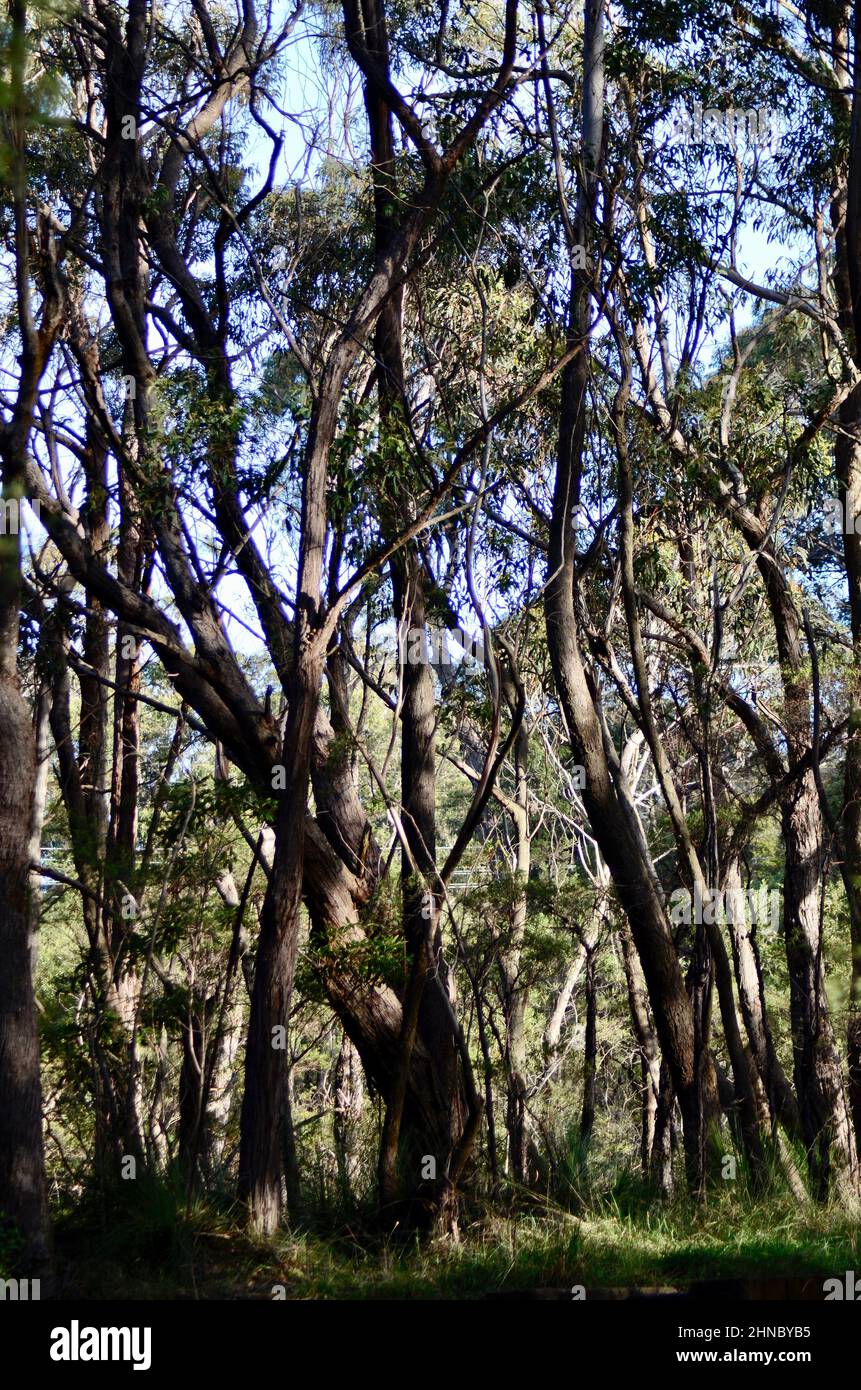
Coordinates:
column 151, row 1246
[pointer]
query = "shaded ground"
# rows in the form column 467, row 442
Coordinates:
column 154, row 1248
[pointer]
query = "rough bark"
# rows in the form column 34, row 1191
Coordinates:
column 349, row 1105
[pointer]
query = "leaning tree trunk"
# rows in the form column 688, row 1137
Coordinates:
column 609, row 816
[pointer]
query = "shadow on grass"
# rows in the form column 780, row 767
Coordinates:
column 146, row 1241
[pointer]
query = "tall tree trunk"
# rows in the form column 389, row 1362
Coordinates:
column 609, row 816
column 433, row 1000
column 23, row 1198
column 23, row 1193
column 263, row 1102
column 418, row 796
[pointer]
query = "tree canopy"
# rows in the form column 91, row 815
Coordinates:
column 430, row 609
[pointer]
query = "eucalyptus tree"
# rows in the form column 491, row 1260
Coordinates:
column 147, row 204
column 752, row 474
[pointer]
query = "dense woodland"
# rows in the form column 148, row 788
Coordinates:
column 430, row 639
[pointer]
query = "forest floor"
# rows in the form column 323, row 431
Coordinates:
column 156, row 1249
